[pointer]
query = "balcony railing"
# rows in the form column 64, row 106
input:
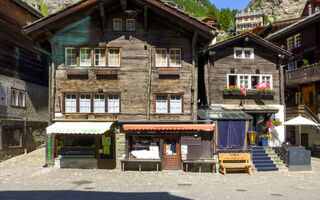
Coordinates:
column 303, row 75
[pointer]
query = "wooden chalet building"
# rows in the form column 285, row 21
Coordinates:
column 302, row 76
column 245, row 61
column 123, row 84
column 23, row 82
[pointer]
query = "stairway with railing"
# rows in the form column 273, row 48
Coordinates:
column 283, row 152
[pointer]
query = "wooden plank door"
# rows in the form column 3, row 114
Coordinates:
column 171, row 154
column 309, row 98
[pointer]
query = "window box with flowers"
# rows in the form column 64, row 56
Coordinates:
column 235, row 92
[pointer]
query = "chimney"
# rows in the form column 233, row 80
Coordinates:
column 309, row 10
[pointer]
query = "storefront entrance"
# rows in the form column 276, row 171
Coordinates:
column 171, row 155
column 106, row 151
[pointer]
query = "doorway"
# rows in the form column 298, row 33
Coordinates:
column 309, row 98
column 106, row 151
column 171, row 155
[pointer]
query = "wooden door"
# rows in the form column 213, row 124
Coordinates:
column 171, row 154
column 106, row 151
column 309, row 98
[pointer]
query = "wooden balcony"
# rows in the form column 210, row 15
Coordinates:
column 303, row 75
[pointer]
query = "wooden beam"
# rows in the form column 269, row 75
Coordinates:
column 123, row 4
column 145, row 15
column 102, row 16
column 194, row 87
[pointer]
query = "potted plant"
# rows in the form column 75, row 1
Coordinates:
column 276, row 122
column 266, row 135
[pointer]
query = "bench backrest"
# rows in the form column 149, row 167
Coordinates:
column 234, row 157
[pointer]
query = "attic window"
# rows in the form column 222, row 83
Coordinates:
column 130, row 24
column 117, row 24
column 243, row 53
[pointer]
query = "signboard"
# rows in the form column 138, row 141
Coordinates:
column 3, row 95
column 184, row 152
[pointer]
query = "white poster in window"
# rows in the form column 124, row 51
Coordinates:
column 184, row 152
column 3, row 95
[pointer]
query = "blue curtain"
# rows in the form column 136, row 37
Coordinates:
column 231, row 133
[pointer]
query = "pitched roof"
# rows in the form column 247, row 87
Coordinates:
column 84, row 4
column 252, row 37
column 294, row 27
column 29, row 8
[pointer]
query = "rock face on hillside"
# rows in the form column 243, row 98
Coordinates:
column 52, row 5
column 278, row 10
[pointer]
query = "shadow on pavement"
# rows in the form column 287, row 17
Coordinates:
column 84, row 195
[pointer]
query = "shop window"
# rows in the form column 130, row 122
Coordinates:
column 175, row 103
column 117, row 24
column 130, row 24
column 71, row 56
column 144, row 147
column 85, row 103
column 114, row 57
column 99, row 57
column 85, row 57
column 71, row 103
column 113, row 104
column 161, row 104
column 18, row 98
column 99, row 103
column 12, row 137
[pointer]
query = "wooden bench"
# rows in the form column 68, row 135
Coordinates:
column 140, row 161
column 235, row 161
column 200, row 162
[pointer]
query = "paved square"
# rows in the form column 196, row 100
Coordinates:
column 23, row 177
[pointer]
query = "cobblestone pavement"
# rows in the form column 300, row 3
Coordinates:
column 23, row 177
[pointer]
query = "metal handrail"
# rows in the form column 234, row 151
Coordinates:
column 283, row 153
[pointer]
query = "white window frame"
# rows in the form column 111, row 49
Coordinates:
column 162, row 104
column 292, row 66
column 66, row 56
column 129, row 23
column 173, row 64
column 113, row 104
column 117, row 27
column 87, row 61
column 156, row 57
column 99, row 104
column 110, row 57
column 175, row 105
column 250, row 86
column 72, row 103
column 296, row 44
column 243, row 52
column 103, row 60
column 18, row 98
column 288, row 43
column 84, row 103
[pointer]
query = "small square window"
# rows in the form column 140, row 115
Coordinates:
column 130, row 24
column 238, row 53
column 71, row 56
column 85, row 57
column 114, row 57
column 161, row 57
column 99, row 57
column 117, row 24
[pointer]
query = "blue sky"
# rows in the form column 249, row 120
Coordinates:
column 232, row 4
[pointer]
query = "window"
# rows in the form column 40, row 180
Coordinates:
column 113, row 104
column 117, row 24
column 71, row 103
column 161, row 104
column 161, row 58
column 99, row 57
column 175, row 103
column 85, row 103
column 99, row 103
column 18, row 98
column 290, row 43
column 12, row 137
column 85, row 57
column 248, row 81
column 297, row 40
column 71, row 56
column 243, row 53
column 131, row 24
column 244, row 81
column 298, row 98
column 114, row 57
column 175, row 58
column 292, row 66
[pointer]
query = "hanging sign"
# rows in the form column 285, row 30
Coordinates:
column 3, row 95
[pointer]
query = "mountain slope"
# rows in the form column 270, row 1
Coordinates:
column 278, row 10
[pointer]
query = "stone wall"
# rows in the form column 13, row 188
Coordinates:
column 120, row 147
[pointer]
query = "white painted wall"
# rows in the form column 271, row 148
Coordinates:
column 278, row 134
